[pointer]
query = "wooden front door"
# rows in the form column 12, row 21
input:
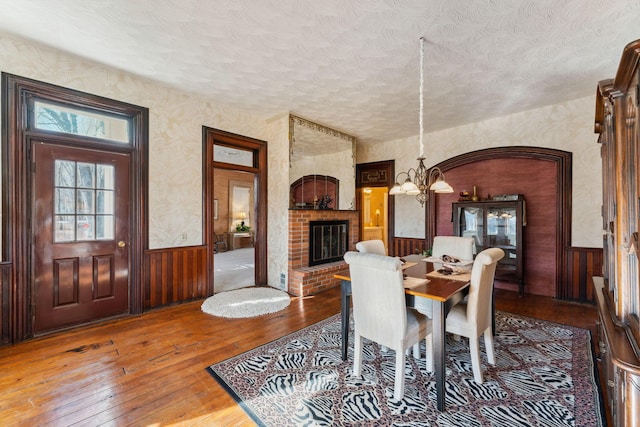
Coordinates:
column 81, row 230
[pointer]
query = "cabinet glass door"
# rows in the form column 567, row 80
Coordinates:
column 472, row 225
column 501, row 232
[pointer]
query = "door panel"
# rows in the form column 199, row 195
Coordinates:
column 80, row 226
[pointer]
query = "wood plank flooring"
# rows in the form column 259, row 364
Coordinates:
column 149, row 370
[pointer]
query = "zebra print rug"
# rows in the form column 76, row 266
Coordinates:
column 544, row 376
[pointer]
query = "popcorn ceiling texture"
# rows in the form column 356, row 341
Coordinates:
column 349, row 64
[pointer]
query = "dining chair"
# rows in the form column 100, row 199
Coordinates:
column 473, row 317
column 455, row 246
column 371, row 246
column 220, row 243
column 375, row 246
column 380, row 311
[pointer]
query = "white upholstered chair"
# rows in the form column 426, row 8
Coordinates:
column 474, row 317
column 380, row 312
column 458, row 247
column 371, row 247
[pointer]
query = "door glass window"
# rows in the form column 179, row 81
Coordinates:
column 59, row 118
column 234, row 156
column 84, row 202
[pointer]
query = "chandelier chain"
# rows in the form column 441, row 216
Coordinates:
column 421, row 96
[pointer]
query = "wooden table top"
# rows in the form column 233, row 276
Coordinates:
column 437, row 288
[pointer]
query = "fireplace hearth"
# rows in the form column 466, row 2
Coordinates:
column 328, row 241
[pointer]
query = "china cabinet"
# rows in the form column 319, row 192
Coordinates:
column 617, row 290
column 495, row 224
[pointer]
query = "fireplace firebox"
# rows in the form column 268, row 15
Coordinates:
column 328, row 241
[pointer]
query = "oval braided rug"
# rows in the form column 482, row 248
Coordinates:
column 246, row 302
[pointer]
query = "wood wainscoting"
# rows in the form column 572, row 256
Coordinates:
column 582, row 264
column 401, row 246
column 175, row 275
column 5, row 282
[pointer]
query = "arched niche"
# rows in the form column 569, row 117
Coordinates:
column 542, row 165
column 314, row 192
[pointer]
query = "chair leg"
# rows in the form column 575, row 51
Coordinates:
column 474, row 349
column 398, row 390
column 488, row 344
column 429, row 352
column 357, row 355
column 416, row 350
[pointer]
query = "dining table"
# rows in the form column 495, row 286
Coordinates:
column 444, row 291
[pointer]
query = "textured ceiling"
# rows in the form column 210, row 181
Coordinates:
column 349, row 64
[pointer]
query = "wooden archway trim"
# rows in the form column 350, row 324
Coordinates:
column 563, row 162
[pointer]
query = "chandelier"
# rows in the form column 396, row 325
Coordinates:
column 421, row 180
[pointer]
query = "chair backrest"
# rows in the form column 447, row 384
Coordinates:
column 481, row 288
column 371, row 247
column 459, row 247
column 379, row 305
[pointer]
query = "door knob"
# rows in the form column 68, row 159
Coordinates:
column 121, row 244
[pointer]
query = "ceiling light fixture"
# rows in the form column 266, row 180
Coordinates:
column 423, row 179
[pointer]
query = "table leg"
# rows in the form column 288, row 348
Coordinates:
column 345, row 303
column 439, row 317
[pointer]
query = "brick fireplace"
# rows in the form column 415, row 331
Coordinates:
column 307, row 280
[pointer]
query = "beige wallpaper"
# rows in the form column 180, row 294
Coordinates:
column 278, row 188
column 175, row 131
column 567, row 126
column 175, row 142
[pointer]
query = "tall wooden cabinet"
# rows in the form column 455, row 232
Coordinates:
column 495, row 224
column 617, row 290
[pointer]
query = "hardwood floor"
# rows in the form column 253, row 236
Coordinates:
column 149, row 370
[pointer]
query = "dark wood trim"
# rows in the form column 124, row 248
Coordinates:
column 175, row 275
column 384, row 172
column 629, row 64
column 16, row 183
column 210, row 137
column 563, row 161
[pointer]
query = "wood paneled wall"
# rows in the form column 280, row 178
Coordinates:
column 5, row 282
column 582, row 264
column 402, row 246
column 175, row 275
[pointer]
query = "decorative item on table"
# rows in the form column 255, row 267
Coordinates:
column 464, row 196
column 450, row 264
column 241, row 226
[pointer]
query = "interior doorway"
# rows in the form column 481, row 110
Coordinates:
column 377, row 210
column 374, row 218
column 234, row 226
column 235, row 220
